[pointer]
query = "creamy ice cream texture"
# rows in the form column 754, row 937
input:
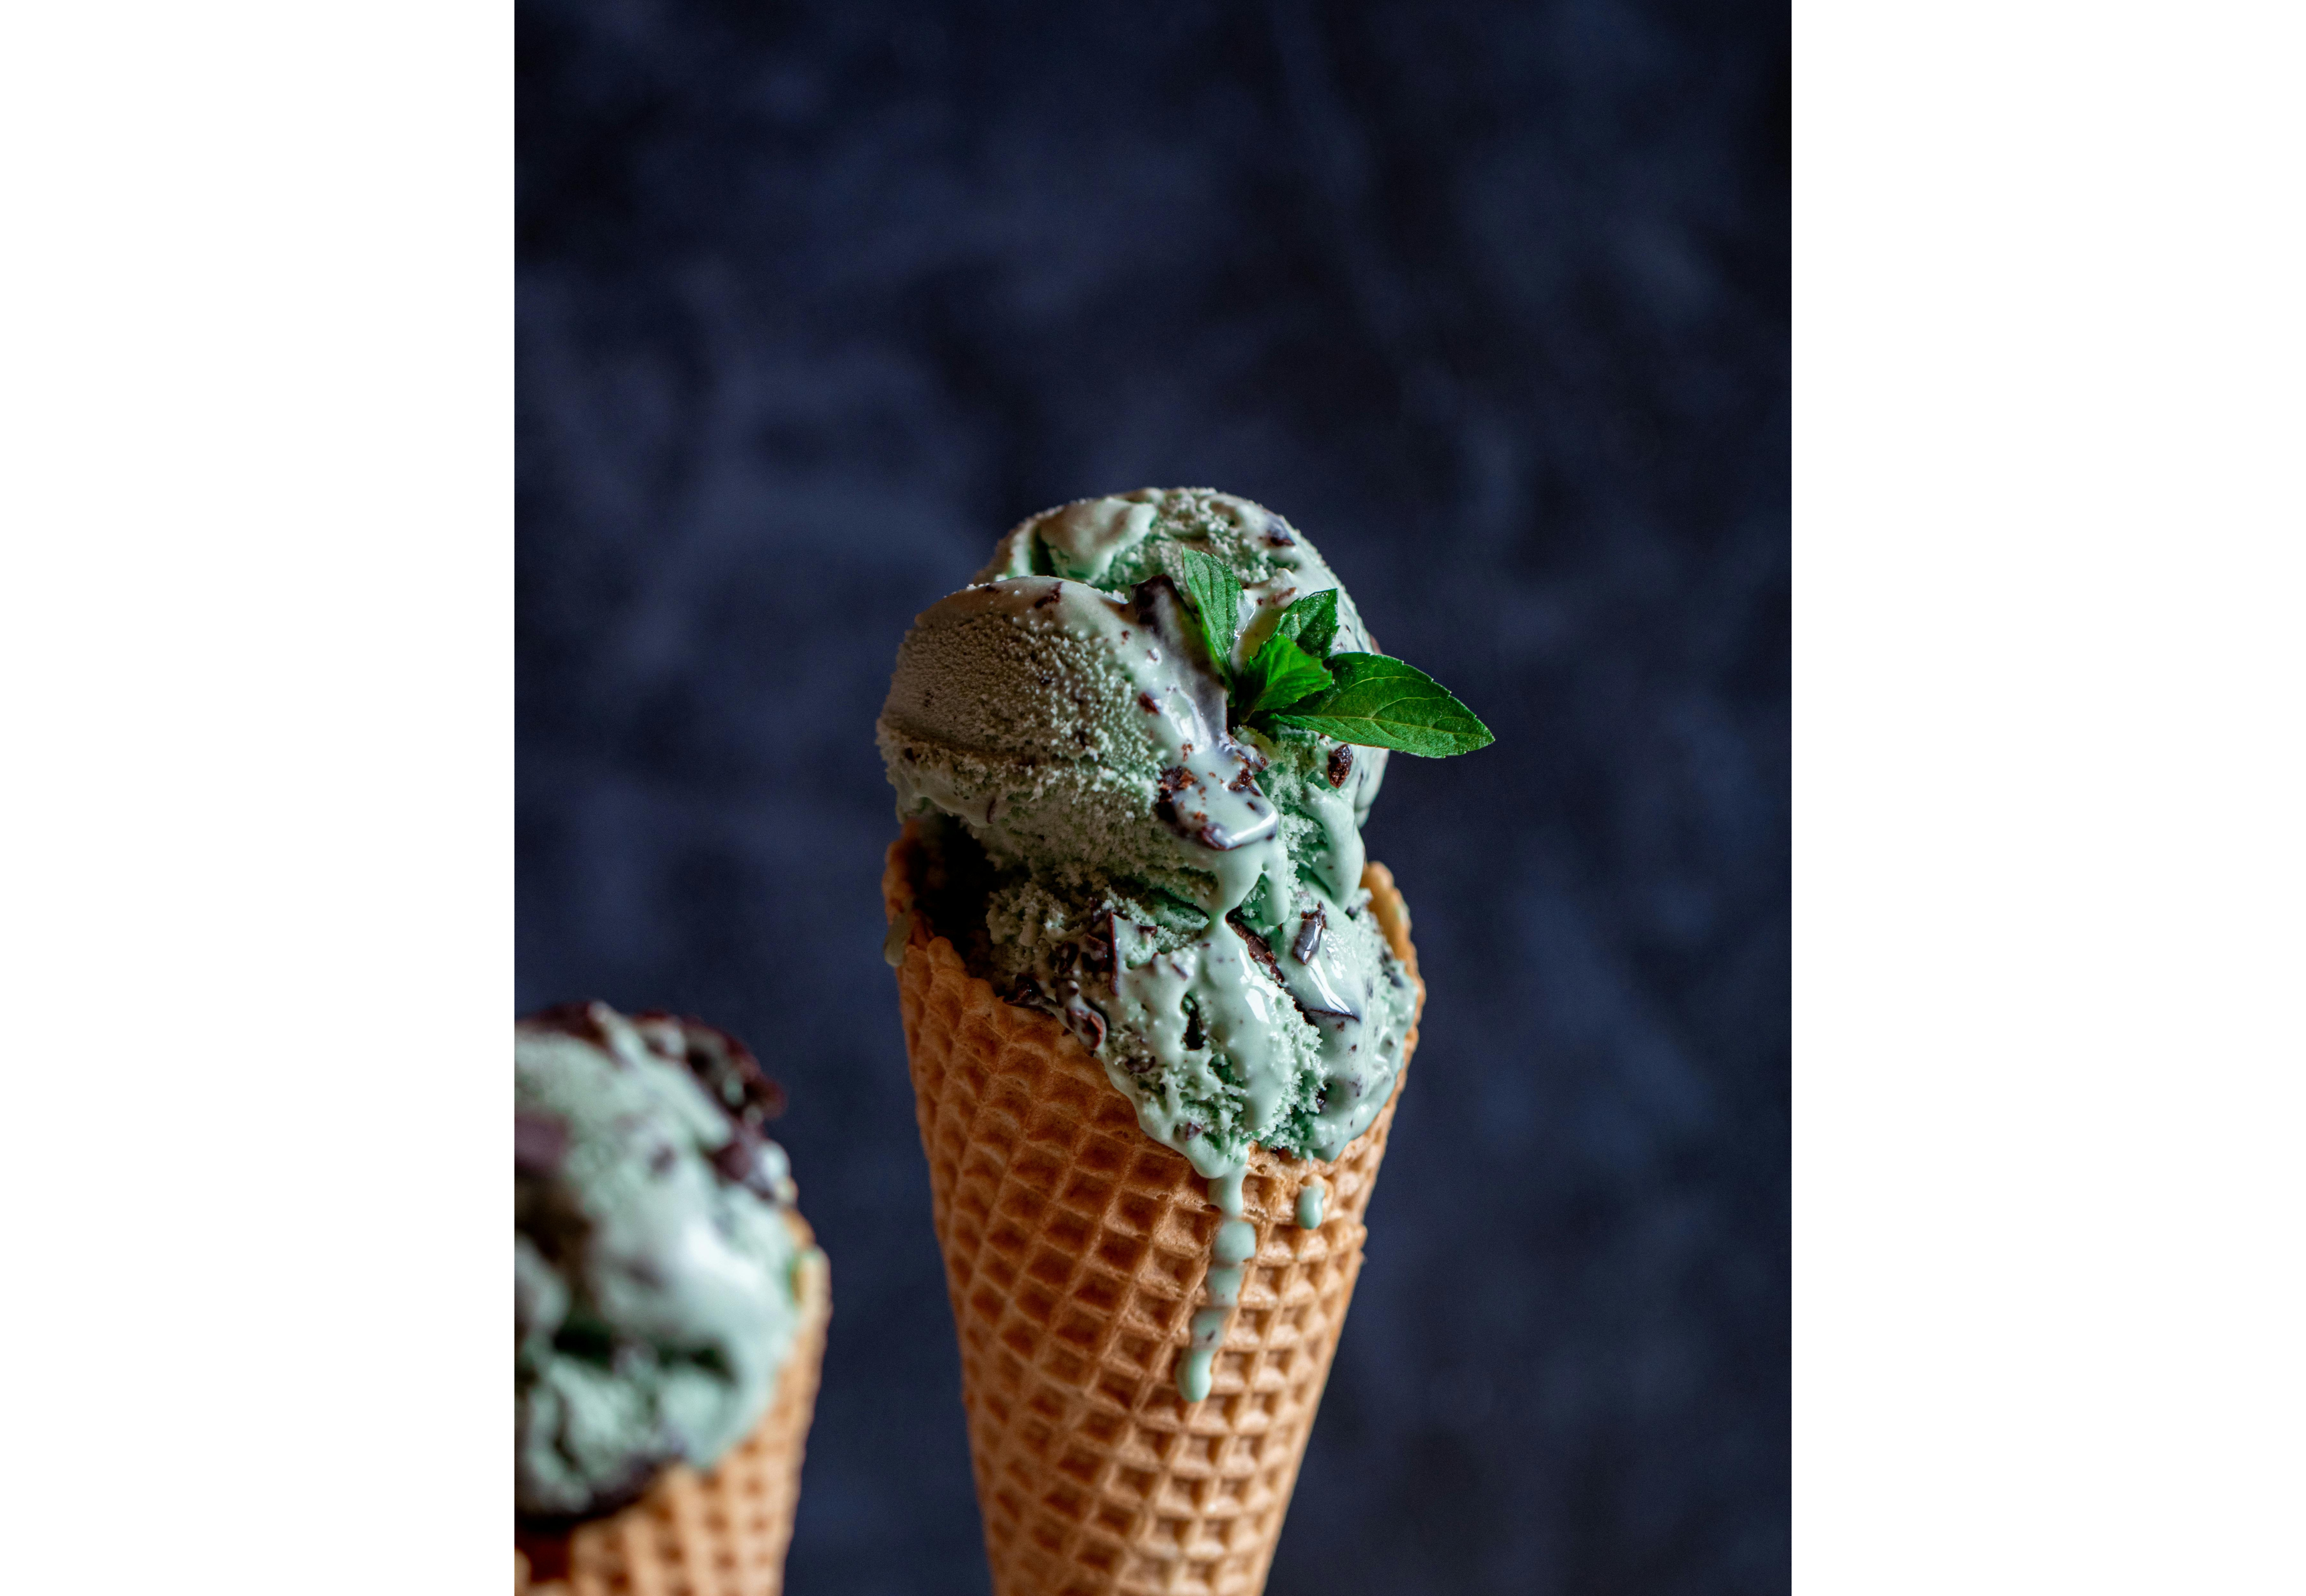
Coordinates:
column 1172, row 870
column 654, row 1267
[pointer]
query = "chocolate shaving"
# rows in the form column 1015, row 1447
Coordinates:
column 1309, row 936
column 1144, row 701
column 539, row 1142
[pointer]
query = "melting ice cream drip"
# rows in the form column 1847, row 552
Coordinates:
column 1310, row 1197
column 1234, row 1244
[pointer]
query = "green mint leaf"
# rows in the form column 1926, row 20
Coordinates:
column 1280, row 674
column 1215, row 594
column 1311, row 622
column 1381, row 702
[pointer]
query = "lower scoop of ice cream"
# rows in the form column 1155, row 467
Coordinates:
column 655, row 1267
column 1184, row 891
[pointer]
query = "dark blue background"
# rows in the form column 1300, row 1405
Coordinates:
column 1491, row 301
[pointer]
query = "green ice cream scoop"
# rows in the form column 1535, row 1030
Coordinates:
column 655, row 1263
column 1177, row 879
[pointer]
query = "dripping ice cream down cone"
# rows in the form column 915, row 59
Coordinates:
column 670, row 1312
column 1159, row 1009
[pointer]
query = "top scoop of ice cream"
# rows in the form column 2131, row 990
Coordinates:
column 654, row 1267
column 1184, row 891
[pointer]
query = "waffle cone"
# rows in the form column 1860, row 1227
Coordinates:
column 719, row 1533
column 1075, row 1248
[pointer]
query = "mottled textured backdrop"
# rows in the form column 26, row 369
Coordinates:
column 1490, row 301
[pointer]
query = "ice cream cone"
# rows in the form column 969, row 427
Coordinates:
column 719, row 1533
column 1075, row 1252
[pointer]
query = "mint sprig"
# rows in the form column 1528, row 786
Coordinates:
column 1372, row 700
column 1381, row 702
column 1288, row 666
column 1282, row 674
column 1214, row 592
column 1311, row 622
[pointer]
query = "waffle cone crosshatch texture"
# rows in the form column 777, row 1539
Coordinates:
column 1075, row 1252
column 723, row 1532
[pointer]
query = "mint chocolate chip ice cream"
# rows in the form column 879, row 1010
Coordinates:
column 655, row 1260
column 1121, row 842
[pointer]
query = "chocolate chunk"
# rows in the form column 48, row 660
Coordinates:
column 1309, row 936
column 1259, row 948
column 1144, row 701
column 1097, row 947
column 1172, row 782
column 723, row 1065
column 539, row 1142
column 584, row 1021
column 664, row 1033
column 736, row 1159
column 1192, row 824
column 1341, row 765
column 1148, row 596
column 1085, row 1023
column 739, row 1161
